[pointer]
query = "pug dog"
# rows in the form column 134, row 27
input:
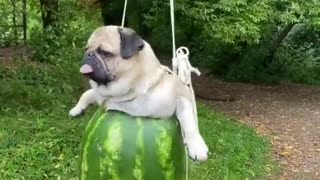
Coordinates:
column 125, row 75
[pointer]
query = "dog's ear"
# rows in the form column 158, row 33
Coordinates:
column 130, row 44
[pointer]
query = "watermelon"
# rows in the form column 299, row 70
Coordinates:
column 118, row 146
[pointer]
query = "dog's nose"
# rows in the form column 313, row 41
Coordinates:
column 89, row 58
column 90, row 54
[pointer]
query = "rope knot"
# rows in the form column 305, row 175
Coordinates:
column 182, row 67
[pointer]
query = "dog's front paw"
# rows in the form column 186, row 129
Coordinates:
column 197, row 148
column 75, row 112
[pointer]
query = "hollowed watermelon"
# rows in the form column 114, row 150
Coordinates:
column 118, row 146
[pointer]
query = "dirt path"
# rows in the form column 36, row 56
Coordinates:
column 289, row 114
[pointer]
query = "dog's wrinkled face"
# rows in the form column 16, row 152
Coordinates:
column 110, row 52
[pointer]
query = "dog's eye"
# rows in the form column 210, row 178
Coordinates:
column 104, row 53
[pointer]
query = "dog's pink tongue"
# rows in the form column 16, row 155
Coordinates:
column 85, row 69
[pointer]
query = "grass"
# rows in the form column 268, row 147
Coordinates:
column 238, row 152
column 39, row 141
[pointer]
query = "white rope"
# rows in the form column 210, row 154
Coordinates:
column 181, row 64
column 182, row 68
column 124, row 12
column 173, row 31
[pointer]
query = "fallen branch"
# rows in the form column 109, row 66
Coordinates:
column 227, row 99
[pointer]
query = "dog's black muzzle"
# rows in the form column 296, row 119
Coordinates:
column 96, row 68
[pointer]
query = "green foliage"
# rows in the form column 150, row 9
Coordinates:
column 253, row 68
column 300, row 55
column 235, row 39
column 221, row 22
column 37, row 139
column 70, row 34
column 10, row 15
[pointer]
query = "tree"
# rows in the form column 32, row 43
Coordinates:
column 112, row 11
column 289, row 13
column 49, row 12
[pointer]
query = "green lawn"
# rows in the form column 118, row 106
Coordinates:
column 39, row 141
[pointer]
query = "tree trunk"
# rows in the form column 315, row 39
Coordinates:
column 14, row 20
column 49, row 9
column 275, row 44
column 133, row 15
column 111, row 11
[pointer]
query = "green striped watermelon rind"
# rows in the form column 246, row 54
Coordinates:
column 102, row 156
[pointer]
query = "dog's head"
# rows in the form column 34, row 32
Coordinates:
column 110, row 52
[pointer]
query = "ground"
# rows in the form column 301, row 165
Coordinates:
column 288, row 114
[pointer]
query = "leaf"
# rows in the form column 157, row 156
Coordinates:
column 61, row 157
column 286, row 151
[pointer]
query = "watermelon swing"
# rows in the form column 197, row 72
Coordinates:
column 118, row 146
